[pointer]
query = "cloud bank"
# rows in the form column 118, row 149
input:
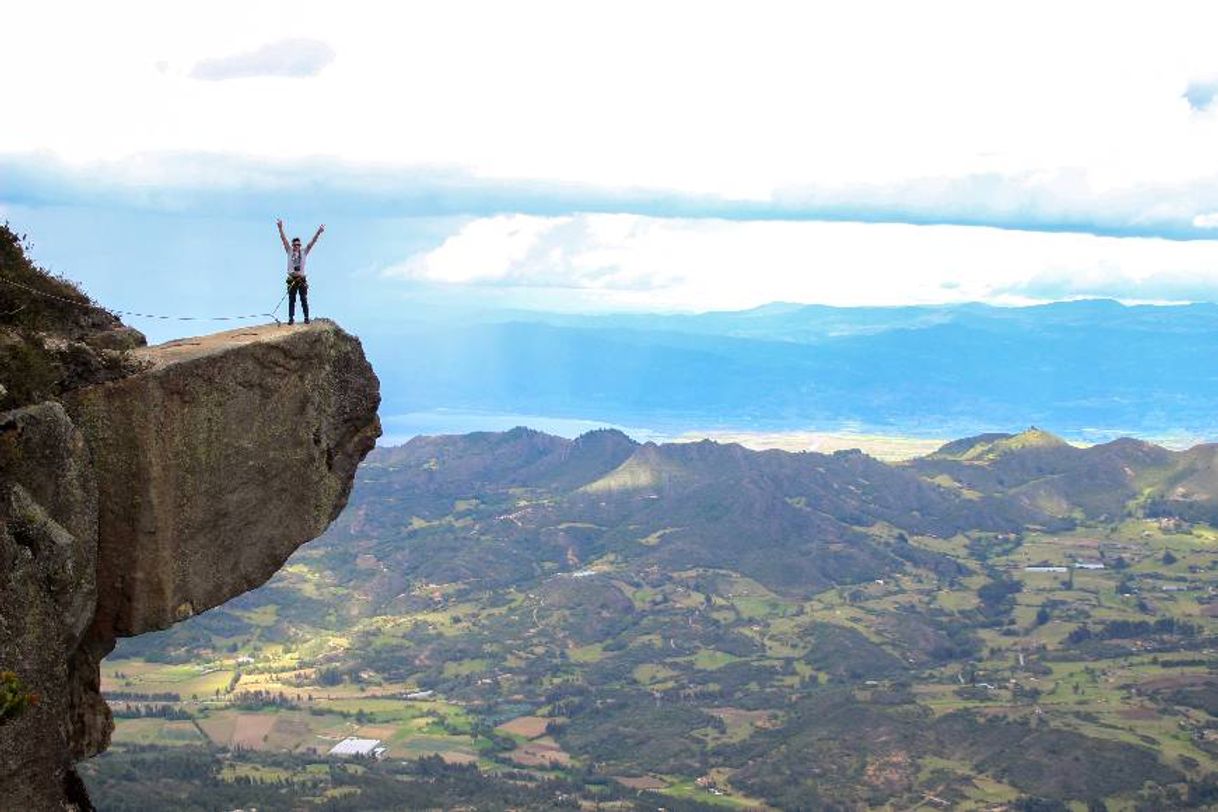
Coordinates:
column 293, row 58
column 1069, row 200
column 635, row 261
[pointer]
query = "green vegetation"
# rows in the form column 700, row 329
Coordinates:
column 194, row 779
column 15, row 698
column 798, row 631
column 52, row 338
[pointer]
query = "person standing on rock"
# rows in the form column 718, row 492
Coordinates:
column 298, row 283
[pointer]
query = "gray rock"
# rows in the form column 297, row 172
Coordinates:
column 48, row 553
column 167, row 492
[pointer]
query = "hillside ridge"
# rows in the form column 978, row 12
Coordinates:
column 794, row 625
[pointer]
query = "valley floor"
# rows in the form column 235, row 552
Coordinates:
column 527, row 639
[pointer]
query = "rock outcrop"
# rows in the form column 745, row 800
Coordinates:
column 135, row 503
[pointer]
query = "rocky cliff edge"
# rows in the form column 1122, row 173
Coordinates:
column 129, row 505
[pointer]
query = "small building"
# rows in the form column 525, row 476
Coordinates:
column 1044, row 569
column 354, row 746
column 1089, row 565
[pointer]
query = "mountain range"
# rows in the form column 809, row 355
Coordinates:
column 793, row 630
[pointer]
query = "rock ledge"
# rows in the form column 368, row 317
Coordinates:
column 145, row 500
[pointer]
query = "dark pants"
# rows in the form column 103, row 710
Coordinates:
column 298, row 286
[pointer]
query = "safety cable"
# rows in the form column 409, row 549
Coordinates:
column 91, row 306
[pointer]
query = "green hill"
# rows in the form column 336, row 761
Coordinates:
column 1009, row 618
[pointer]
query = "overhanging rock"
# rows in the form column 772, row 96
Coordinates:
column 145, row 500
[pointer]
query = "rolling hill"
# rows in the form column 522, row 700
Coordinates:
column 1011, row 620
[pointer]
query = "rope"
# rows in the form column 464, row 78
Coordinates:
column 276, row 308
column 91, row 306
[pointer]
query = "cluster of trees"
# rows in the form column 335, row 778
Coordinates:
column 329, row 676
column 260, row 700
column 136, row 696
column 140, row 778
column 129, row 710
column 998, row 597
column 1127, row 629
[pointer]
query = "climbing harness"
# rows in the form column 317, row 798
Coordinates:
column 91, row 306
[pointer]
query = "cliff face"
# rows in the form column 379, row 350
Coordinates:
column 144, row 500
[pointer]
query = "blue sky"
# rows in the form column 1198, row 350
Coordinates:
column 618, row 156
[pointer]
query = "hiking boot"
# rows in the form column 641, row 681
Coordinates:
column 306, row 319
column 291, row 322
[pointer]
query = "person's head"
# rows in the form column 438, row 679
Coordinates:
column 296, row 243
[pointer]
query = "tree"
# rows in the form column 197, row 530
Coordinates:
column 329, row 676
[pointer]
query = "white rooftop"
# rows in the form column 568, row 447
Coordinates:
column 352, row 746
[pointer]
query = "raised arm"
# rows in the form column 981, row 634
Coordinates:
column 283, row 237
column 313, row 241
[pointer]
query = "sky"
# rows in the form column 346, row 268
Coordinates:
column 592, row 156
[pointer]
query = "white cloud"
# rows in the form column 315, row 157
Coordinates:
column 1209, row 220
column 1200, row 93
column 783, row 95
column 287, row 57
column 604, row 252
column 487, row 251
column 874, row 110
column 635, row 261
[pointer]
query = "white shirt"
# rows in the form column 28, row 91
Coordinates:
column 296, row 260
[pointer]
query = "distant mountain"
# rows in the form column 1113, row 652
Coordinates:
column 675, row 505
column 1084, row 367
column 1042, row 472
column 529, row 504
